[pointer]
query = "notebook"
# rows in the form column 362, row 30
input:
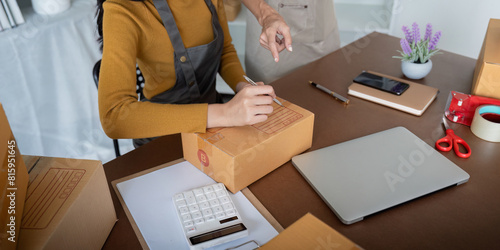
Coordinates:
column 369, row 174
column 415, row 100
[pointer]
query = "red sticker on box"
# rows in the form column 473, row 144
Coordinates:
column 203, row 157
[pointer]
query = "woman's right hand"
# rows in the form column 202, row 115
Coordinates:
column 250, row 105
column 273, row 25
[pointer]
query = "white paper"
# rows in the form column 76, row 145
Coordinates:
column 149, row 200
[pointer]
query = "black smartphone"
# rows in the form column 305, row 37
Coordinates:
column 381, row 83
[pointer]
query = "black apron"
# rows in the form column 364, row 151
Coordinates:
column 195, row 68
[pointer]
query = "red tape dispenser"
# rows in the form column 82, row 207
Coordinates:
column 460, row 108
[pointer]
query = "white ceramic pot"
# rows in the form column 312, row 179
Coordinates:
column 50, row 7
column 416, row 70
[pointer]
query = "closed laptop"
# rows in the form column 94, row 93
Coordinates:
column 369, row 174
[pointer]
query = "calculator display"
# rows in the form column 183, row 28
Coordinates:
column 217, row 233
column 228, row 220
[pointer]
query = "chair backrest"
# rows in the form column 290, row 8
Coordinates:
column 140, row 78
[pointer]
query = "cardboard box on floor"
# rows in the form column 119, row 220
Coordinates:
column 239, row 156
column 13, row 185
column 487, row 72
column 309, row 233
column 68, row 205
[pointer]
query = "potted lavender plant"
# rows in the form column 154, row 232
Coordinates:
column 416, row 54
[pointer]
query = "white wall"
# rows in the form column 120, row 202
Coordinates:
column 462, row 22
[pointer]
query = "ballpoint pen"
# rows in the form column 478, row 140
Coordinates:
column 255, row 84
column 335, row 95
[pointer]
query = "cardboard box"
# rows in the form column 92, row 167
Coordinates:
column 487, row 73
column 13, row 185
column 68, row 205
column 238, row 156
column 309, row 233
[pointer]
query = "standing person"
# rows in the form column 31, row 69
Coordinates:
column 179, row 46
column 313, row 28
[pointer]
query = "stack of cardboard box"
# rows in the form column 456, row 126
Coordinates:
column 487, row 73
column 13, row 185
column 62, row 203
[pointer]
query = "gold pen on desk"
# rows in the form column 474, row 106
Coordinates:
column 255, row 84
column 335, row 95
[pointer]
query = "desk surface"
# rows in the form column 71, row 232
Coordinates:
column 462, row 217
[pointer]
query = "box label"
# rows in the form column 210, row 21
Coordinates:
column 278, row 120
column 49, row 195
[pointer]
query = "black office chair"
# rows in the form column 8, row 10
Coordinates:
column 140, row 86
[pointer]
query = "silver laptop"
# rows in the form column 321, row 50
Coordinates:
column 366, row 175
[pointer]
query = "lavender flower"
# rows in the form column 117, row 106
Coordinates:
column 416, row 33
column 428, row 32
column 408, row 35
column 405, row 46
column 416, row 50
column 434, row 41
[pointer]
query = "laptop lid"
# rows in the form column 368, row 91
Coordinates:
column 375, row 172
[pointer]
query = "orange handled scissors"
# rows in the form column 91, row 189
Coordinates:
column 453, row 141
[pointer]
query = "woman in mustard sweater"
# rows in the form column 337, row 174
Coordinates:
column 180, row 46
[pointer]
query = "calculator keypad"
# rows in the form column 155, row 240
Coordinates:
column 205, row 205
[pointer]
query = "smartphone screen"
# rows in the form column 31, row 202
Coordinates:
column 381, row 83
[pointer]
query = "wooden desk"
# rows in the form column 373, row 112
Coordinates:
column 463, row 217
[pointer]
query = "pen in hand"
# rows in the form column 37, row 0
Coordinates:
column 255, row 84
column 335, row 95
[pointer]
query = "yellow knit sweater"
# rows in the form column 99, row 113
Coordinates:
column 134, row 33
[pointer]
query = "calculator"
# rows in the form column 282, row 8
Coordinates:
column 208, row 216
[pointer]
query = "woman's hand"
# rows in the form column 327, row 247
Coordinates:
column 250, row 105
column 275, row 34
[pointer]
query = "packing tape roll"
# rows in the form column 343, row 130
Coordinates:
column 486, row 123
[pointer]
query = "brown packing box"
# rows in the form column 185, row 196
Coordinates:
column 238, row 156
column 487, row 73
column 68, row 205
column 309, row 233
column 13, row 183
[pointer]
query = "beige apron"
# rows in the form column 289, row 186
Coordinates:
column 314, row 31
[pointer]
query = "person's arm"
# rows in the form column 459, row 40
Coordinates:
column 272, row 24
column 126, row 25
column 230, row 68
column 250, row 104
